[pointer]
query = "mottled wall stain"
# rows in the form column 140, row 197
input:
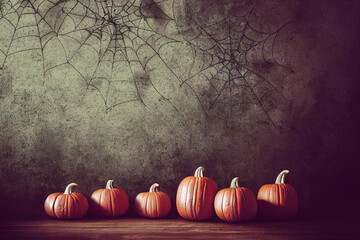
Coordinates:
column 140, row 112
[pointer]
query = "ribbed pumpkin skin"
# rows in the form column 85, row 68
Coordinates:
column 109, row 203
column 235, row 204
column 49, row 204
column 195, row 198
column 66, row 206
column 277, row 201
column 152, row 204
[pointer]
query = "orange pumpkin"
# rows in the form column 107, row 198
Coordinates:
column 277, row 201
column 152, row 204
column 67, row 205
column 109, row 202
column 195, row 196
column 236, row 203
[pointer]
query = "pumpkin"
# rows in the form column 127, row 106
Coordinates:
column 109, row 202
column 236, row 203
column 67, row 205
column 152, row 204
column 277, row 201
column 195, row 196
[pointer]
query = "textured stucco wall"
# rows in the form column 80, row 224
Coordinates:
column 162, row 104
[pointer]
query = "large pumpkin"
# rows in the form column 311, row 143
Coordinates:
column 152, row 204
column 67, row 205
column 195, row 196
column 236, row 203
column 277, row 201
column 109, row 202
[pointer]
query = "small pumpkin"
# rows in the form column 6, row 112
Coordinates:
column 152, row 204
column 277, row 201
column 67, row 205
column 195, row 196
column 236, row 203
column 109, row 202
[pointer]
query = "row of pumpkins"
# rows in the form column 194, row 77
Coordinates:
column 196, row 199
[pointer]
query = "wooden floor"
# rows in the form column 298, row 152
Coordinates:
column 137, row 228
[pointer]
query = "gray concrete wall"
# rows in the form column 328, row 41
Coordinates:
column 171, row 86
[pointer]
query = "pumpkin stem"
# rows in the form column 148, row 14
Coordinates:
column 199, row 172
column 281, row 177
column 235, row 182
column 68, row 189
column 109, row 184
column 154, row 187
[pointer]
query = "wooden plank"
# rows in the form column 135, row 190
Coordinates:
column 138, row 228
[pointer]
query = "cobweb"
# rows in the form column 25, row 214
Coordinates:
column 112, row 45
column 236, row 60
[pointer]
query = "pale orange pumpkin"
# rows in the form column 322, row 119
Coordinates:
column 236, row 203
column 109, row 202
column 195, row 196
column 67, row 205
column 152, row 204
column 277, row 201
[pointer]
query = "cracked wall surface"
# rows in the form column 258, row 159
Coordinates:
column 147, row 91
